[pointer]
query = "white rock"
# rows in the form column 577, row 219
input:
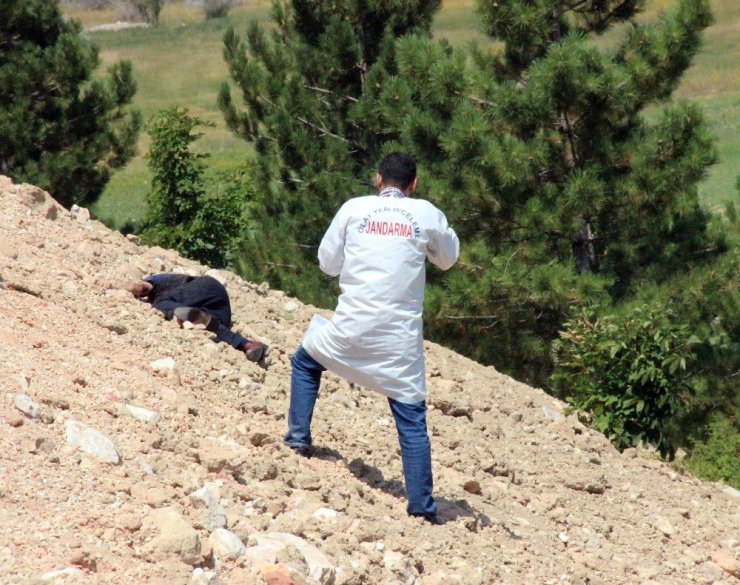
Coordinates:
column 325, row 514
column 551, row 414
column 226, row 545
column 60, row 574
column 27, row 406
column 142, row 414
column 265, row 546
column 23, row 381
column 81, row 214
column 165, row 365
column 664, row 525
column 91, row 442
column 201, row 577
column 207, row 498
column 291, row 306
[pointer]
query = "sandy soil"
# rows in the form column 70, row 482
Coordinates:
column 190, row 482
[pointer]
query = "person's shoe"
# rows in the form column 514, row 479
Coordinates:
column 433, row 520
column 196, row 316
column 256, row 351
column 302, row 450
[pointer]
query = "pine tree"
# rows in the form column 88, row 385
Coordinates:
column 561, row 190
column 303, row 85
column 60, row 128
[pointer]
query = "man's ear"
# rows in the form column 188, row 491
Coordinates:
column 378, row 181
column 412, row 187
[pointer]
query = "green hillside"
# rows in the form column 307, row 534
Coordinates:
column 180, row 63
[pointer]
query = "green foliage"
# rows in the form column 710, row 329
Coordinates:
column 302, row 85
column 60, row 128
column 561, row 192
column 716, row 459
column 182, row 213
column 705, row 301
column 707, row 298
column 564, row 193
column 628, row 372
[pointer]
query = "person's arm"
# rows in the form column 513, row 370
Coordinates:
column 331, row 250
column 443, row 248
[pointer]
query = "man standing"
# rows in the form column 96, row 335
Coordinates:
column 378, row 245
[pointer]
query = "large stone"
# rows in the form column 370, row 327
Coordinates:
column 226, row 545
column 264, row 547
column 91, row 442
column 664, row 525
column 27, row 406
column 176, row 537
column 210, row 513
column 165, row 366
column 142, row 414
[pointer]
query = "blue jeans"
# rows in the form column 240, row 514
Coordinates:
column 410, row 421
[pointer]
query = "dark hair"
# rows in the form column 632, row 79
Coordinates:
column 398, row 170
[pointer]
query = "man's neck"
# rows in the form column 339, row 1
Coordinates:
column 391, row 192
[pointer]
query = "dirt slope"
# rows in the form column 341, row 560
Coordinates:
column 196, row 487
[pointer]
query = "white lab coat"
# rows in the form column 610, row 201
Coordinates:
column 377, row 246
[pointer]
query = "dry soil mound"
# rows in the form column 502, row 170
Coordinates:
column 136, row 451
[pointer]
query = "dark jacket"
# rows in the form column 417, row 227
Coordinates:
column 204, row 292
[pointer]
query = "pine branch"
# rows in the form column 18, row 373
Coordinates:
column 329, row 92
column 324, row 132
column 322, row 129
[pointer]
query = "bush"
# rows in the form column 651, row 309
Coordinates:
column 217, row 8
column 627, row 372
column 181, row 213
column 716, row 459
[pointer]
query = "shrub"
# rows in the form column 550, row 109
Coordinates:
column 716, row 459
column 217, row 8
column 627, row 372
column 181, row 213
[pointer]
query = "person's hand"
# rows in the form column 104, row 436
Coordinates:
column 139, row 289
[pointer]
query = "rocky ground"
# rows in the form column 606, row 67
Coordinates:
column 136, row 451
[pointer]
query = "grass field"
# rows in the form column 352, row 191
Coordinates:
column 180, row 63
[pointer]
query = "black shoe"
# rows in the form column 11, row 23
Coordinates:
column 434, row 520
column 197, row 317
column 256, row 351
column 302, row 450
